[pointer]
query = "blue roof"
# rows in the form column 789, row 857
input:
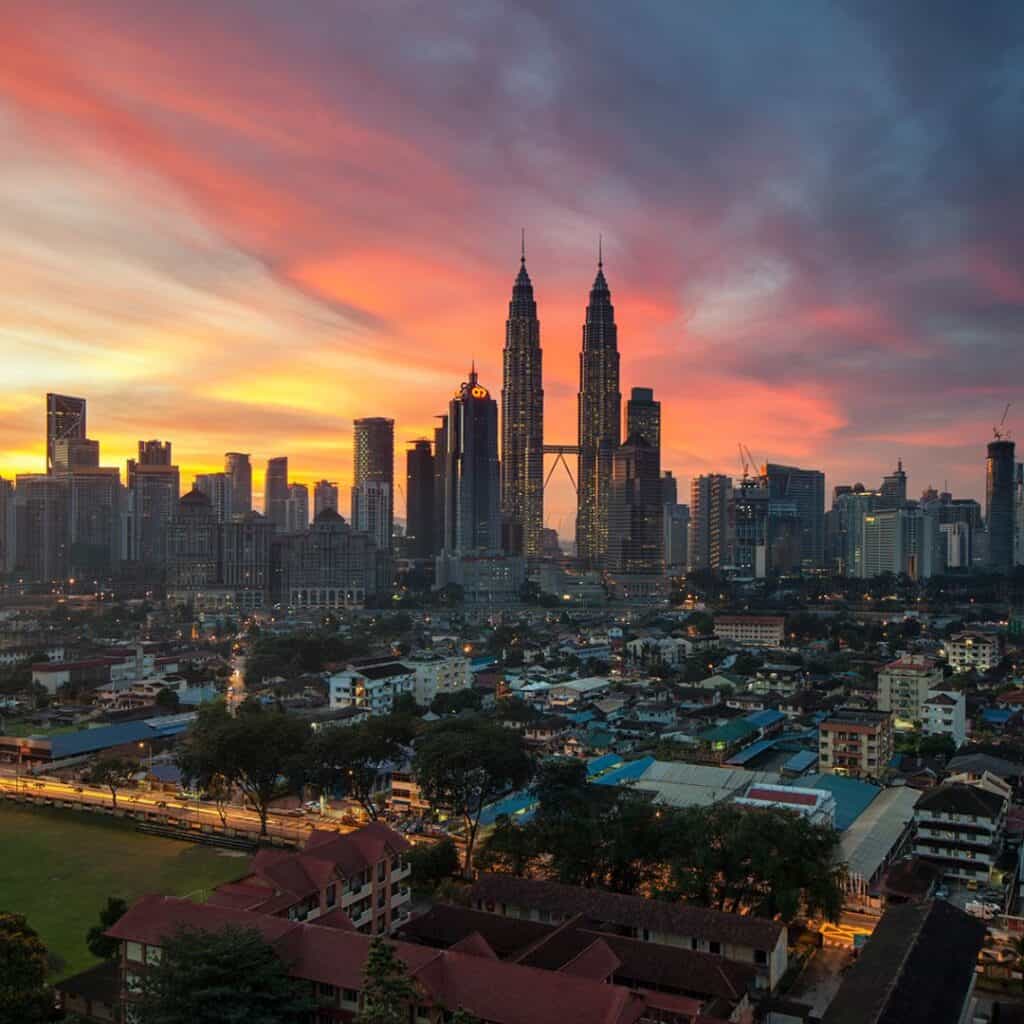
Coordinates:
column 520, row 804
column 1000, row 716
column 852, row 796
column 749, row 753
column 578, row 717
column 801, row 761
column 89, row 741
column 603, row 763
column 628, row 772
column 483, row 662
column 764, row 718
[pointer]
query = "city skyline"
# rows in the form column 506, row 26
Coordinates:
column 817, row 274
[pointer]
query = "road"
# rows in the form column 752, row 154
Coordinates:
column 167, row 808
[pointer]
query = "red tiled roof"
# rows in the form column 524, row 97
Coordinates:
column 474, row 944
column 782, row 797
column 68, row 666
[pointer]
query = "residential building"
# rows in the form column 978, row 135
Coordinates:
column 752, row 630
column 41, row 527
column 522, row 421
column 855, row 742
column 740, row 938
column 1000, row 472
column 239, row 469
column 96, row 507
column 373, row 687
column 805, row 489
column 275, row 493
column 903, row 687
column 420, row 506
column 710, row 533
column 960, row 827
column 65, row 420
column 973, row 651
column 944, row 713
column 8, row 529
column 75, row 453
column 599, row 424
column 155, row 485
column 917, row 967
column 219, row 488
column 635, row 530
column 437, row 674
column 296, row 509
column 325, row 495
column 374, row 463
column 1018, row 514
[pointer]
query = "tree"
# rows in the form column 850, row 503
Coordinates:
column 99, row 944
column 387, row 990
column 167, row 700
column 461, row 1016
column 464, row 764
column 24, row 995
column 432, row 863
column 115, row 773
column 346, row 760
column 205, row 977
column 459, row 700
column 257, row 752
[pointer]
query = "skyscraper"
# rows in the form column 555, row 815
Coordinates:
column 710, row 536
column 635, row 536
column 155, row 486
column 218, row 487
column 239, row 468
column 522, row 420
column 893, row 492
column 440, row 479
column 999, row 485
column 419, row 500
column 65, row 420
column 193, row 546
column 296, row 516
column 325, row 495
column 7, row 526
column 41, row 524
column 643, row 417
column 1018, row 514
column 275, row 493
column 372, row 506
column 599, row 427
column 472, row 517
column 374, row 462
column 805, row 488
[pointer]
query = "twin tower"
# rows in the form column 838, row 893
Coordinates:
column 522, row 421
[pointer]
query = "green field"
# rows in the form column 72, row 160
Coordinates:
column 58, row 867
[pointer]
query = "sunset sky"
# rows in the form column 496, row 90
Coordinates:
column 238, row 225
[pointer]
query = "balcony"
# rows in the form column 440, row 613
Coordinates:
column 402, row 896
column 350, row 896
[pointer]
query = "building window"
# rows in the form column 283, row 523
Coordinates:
column 715, row 947
column 760, row 957
column 332, row 894
column 349, row 995
column 133, row 951
column 153, row 954
column 133, row 982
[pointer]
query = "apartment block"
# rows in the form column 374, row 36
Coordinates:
column 904, row 685
column 752, row 630
column 856, row 743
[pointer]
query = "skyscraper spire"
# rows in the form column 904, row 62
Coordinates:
column 522, row 419
column 600, row 254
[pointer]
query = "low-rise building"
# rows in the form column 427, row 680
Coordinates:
column 817, row 805
column 970, row 650
column 438, row 674
column 855, row 742
column 903, row 687
column 960, row 828
column 944, row 713
column 578, row 690
column 373, row 687
column 751, row 630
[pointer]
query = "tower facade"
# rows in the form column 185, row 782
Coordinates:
column 522, row 420
column 643, row 417
column 600, row 410
column 374, row 463
column 239, row 468
column 65, row 421
column 999, row 486
column 419, row 500
column 325, row 495
column 275, row 493
column 636, row 541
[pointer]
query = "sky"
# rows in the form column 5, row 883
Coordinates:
column 239, row 225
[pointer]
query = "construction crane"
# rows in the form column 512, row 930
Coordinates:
column 750, row 468
column 997, row 431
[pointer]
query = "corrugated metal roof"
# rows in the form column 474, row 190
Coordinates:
column 853, row 797
column 603, row 763
column 769, row 716
column 801, row 761
column 741, row 757
column 870, row 839
column 628, row 772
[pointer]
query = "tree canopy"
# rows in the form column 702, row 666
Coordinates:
column 115, row 773
column 387, row 988
column 99, row 944
column 24, row 995
column 224, row 977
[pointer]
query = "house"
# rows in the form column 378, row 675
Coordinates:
column 944, row 713
column 740, row 938
column 904, row 685
column 960, row 827
column 373, row 687
column 330, row 957
column 854, row 742
column 918, row 967
column 364, row 875
column 752, row 630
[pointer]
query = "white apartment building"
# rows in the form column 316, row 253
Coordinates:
column 904, row 686
column 371, row 687
column 978, row 651
column 437, row 674
column 945, row 714
column 960, row 828
column 752, row 630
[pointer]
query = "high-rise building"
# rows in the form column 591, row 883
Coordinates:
column 296, row 518
column 372, row 512
column 669, row 488
column 419, row 500
column 7, row 526
column 893, row 492
column 599, row 423
column 374, row 463
column 219, row 488
column 41, row 525
column 1000, row 471
column 710, row 540
column 245, row 559
column 472, row 516
column 848, row 511
column 1018, row 514
column 804, row 488
column 676, row 526
column 65, row 420
column 193, row 545
column 635, row 530
column 156, row 486
column 75, row 453
column 440, row 480
column 907, row 540
column 239, row 468
column 325, row 495
column 94, row 517
column 522, row 421
column 275, row 493
column 643, row 417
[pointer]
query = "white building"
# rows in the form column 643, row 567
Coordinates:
column 577, row 690
column 960, row 827
column 945, row 714
column 978, row 651
column 372, row 687
column 904, row 685
column 436, row 674
column 752, row 630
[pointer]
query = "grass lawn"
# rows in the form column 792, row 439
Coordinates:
column 57, row 867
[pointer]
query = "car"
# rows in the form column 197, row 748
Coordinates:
column 161, row 803
column 942, row 893
column 313, row 806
